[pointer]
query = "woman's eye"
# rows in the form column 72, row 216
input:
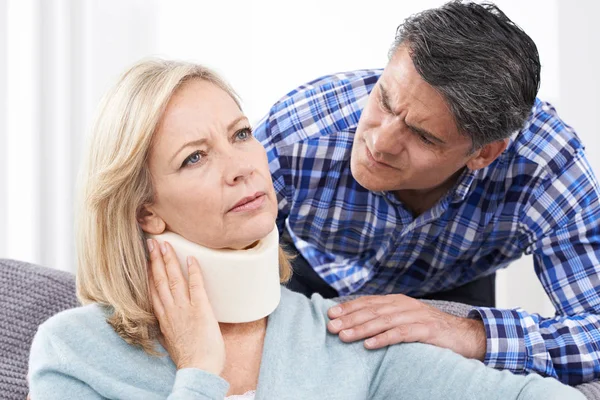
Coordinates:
column 192, row 159
column 243, row 134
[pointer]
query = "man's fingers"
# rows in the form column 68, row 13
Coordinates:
column 383, row 323
column 362, row 316
column 357, row 304
column 400, row 334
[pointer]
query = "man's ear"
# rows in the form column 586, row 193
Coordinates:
column 150, row 222
column 487, row 154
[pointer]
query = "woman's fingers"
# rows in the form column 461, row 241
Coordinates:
column 157, row 305
column 191, row 332
column 159, row 274
column 198, row 296
column 177, row 284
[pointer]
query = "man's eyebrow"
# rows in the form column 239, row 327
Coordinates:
column 425, row 133
column 385, row 99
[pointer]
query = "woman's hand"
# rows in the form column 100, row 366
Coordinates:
column 191, row 332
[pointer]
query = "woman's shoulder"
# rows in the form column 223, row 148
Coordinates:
column 77, row 321
column 78, row 349
column 80, row 342
column 395, row 369
column 82, row 330
column 297, row 339
column 295, row 307
column 304, row 320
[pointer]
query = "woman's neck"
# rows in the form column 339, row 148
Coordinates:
column 232, row 331
column 244, row 346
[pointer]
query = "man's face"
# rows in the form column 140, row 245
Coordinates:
column 406, row 137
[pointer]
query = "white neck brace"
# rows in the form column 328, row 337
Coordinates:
column 242, row 285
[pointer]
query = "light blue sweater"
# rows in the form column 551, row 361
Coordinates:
column 77, row 355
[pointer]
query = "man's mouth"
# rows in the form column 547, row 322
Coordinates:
column 372, row 159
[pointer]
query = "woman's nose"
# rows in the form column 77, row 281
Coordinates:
column 238, row 170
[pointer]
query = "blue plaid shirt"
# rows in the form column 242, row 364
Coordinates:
column 539, row 197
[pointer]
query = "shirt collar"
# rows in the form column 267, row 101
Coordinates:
column 463, row 186
column 458, row 192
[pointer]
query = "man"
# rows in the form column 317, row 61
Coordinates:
column 436, row 172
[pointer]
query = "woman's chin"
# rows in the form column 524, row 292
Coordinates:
column 247, row 235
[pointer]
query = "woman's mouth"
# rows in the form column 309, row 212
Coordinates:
column 249, row 203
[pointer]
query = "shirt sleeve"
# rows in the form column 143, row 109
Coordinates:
column 267, row 132
column 562, row 230
column 187, row 386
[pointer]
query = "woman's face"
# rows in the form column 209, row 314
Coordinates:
column 210, row 175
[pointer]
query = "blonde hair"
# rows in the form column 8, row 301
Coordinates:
column 114, row 185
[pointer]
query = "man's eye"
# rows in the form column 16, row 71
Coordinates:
column 243, row 134
column 384, row 106
column 192, row 159
column 425, row 140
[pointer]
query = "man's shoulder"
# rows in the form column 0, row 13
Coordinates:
column 357, row 79
column 324, row 106
column 546, row 141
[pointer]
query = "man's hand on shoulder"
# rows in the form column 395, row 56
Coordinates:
column 396, row 318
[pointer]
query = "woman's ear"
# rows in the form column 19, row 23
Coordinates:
column 150, row 222
column 487, row 154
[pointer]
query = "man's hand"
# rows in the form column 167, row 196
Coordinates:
column 396, row 318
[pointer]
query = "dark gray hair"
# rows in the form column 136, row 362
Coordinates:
column 484, row 65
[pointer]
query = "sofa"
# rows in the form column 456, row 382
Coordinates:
column 30, row 294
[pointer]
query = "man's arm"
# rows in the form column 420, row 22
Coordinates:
column 562, row 227
column 280, row 172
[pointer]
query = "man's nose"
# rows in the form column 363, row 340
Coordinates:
column 387, row 139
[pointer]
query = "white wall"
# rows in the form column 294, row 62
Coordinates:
column 579, row 64
column 571, row 81
column 266, row 49
column 58, row 56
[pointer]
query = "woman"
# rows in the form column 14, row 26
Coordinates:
column 172, row 151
